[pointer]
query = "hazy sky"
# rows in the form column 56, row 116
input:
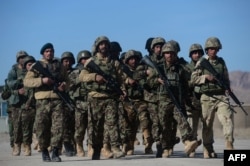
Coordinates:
column 74, row 25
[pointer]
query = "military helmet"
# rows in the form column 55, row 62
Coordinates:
column 83, row 54
column 21, row 54
column 196, row 47
column 168, row 47
column 148, row 43
column 28, row 59
column 98, row 41
column 131, row 53
column 176, row 45
column 69, row 55
column 157, row 40
column 115, row 46
column 122, row 56
column 213, row 42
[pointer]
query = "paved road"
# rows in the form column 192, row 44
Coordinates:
column 139, row 159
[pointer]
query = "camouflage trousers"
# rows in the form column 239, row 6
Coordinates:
column 81, row 120
column 69, row 125
column 136, row 113
column 153, row 111
column 168, row 114
column 49, row 122
column 216, row 105
column 103, row 113
column 23, row 121
column 10, row 125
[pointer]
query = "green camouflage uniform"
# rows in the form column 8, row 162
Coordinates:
column 23, row 107
column 49, row 107
column 103, row 110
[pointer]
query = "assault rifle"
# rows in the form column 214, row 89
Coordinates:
column 37, row 66
column 204, row 63
column 146, row 60
column 111, row 83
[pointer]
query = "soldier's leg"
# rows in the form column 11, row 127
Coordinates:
column 226, row 118
column 17, row 132
column 111, row 120
column 11, row 126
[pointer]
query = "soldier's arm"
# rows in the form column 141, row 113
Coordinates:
column 86, row 76
column 31, row 81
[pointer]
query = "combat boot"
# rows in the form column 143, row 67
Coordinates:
column 106, row 151
column 69, row 149
column 137, row 142
column 117, row 152
column 55, row 155
column 130, row 148
column 90, row 151
column 27, row 151
column 16, row 150
column 165, row 153
column 148, row 141
column 192, row 154
column 159, row 149
column 79, row 149
column 208, row 152
column 229, row 145
column 45, row 155
column 35, row 141
column 191, row 146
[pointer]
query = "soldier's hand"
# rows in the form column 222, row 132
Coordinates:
column 47, row 81
column 99, row 79
column 131, row 81
column 210, row 78
column 160, row 81
column 62, row 86
column 21, row 91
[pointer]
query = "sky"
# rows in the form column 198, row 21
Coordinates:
column 74, row 25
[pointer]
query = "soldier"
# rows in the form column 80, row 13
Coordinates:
column 115, row 50
column 49, row 107
column 194, row 108
column 68, row 60
column 167, row 107
column 213, row 98
column 151, row 93
column 103, row 98
column 135, row 106
column 79, row 92
column 15, row 83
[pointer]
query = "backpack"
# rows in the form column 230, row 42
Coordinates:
column 6, row 93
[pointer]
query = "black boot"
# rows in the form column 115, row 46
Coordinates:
column 97, row 153
column 45, row 155
column 69, row 149
column 55, row 155
column 159, row 149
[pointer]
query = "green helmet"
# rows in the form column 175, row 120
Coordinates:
column 28, row 59
column 83, row 54
column 98, row 41
column 195, row 47
column 21, row 54
column 131, row 53
column 168, row 47
column 69, row 55
column 115, row 46
column 213, row 42
column 157, row 40
column 176, row 45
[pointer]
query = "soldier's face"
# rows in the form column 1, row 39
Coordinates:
column 28, row 65
column 67, row 63
column 48, row 54
column 170, row 57
column 196, row 55
column 132, row 62
column 103, row 47
column 157, row 49
column 212, row 52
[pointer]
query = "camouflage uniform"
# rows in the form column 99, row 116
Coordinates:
column 49, row 107
column 23, row 109
column 103, row 110
column 167, row 109
column 213, row 98
column 135, row 107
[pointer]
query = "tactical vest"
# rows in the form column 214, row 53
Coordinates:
column 136, row 91
column 108, row 67
column 173, row 75
column 210, row 87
